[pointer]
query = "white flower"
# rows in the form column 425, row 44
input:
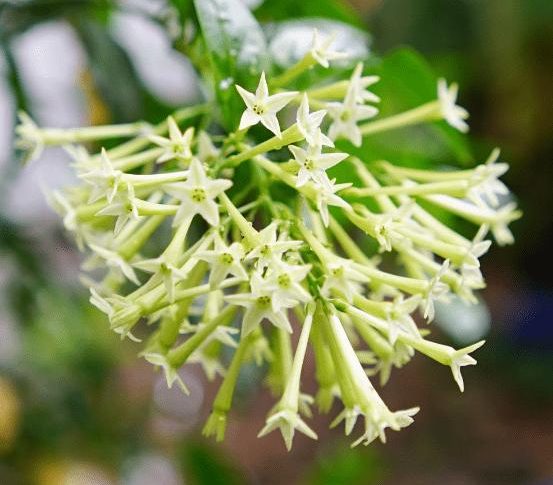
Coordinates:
column 321, row 51
column 115, row 261
column 105, row 179
column 108, row 306
column 207, row 151
column 260, row 107
column 363, row 94
column 453, row 114
column 177, row 146
column 270, row 247
column 169, row 272
column 308, row 124
column 460, row 358
column 224, row 260
column 124, row 208
column 383, row 227
column 313, row 163
column 288, row 422
column 326, row 195
column 437, row 290
column 485, row 186
column 259, row 306
column 82, row 161
column 197, row 194
column 283, row 282
column 30, row 138
column 171, row 374
column 342, row 277
column 399, row 318
column 499, row 226
column 346, row 115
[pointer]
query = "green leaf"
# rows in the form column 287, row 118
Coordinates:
column 293, row 9
column 237, row 49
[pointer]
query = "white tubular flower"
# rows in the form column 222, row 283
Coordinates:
column 309, row 123
column 115, row 261
column 326, row 195
column 197, row 193
column 485, row 183
column 177, row 146
column 321, row 51
column 454, row 115
column 400, row 320
column 207, row 151
column 105, row 179
column 460, row 358
column 169, row 272
column 437, row 290
column 29, row 139
column 82, row 161
column 383, row 227
column 224, row 260
column 63, row 207
column 124, row 208
column 346, row 115
column 343, row 277
column 108, row 306
column 364, row 95
column 259, row 306
column 260, row 107
column 283, row 282
column 270, row 247
column 313, row 163
column 288, row 422
column 171, row 374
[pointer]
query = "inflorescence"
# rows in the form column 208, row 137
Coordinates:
column 213, row 256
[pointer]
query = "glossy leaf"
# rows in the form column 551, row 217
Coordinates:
column 237, row 49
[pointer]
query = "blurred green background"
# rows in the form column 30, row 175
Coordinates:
column 78, row 407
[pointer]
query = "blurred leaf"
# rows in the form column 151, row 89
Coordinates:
column 237, row 49
column 112, row 70
column 205, row 466
column 290, row 40
column 292, row 9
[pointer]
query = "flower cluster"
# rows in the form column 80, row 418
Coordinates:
column 211, row 255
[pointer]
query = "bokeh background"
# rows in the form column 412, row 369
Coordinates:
column 76, row 405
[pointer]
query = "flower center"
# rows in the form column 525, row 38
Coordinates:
column 226, row 258
column 264, row 300
column 265, row 251
column 198, row 194
column 309, row 164
column 337, row 272
column 284, row 280
column 345, row 116
column 258, row 109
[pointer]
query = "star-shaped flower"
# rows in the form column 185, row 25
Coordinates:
column 114, row 260
column 177, row 146
column 30, row 138
column 259, row 306
column 453, row 114
column 105, row 179
column 309, row 123
column 399, row 318
column 207, row 151
column 170, row 274
column 321, row 50
column 346, row 115
column 197, row 194
column 461, row 358
column 270, row 247
column 313, row 163
column 224, row 260
column 283, row 283
column 260, row 107
column 124, row 208
column 171, row 374
column 326, row 195
column 485, row 183
column 341, row 276
column 437, row 290
column 288, row 422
